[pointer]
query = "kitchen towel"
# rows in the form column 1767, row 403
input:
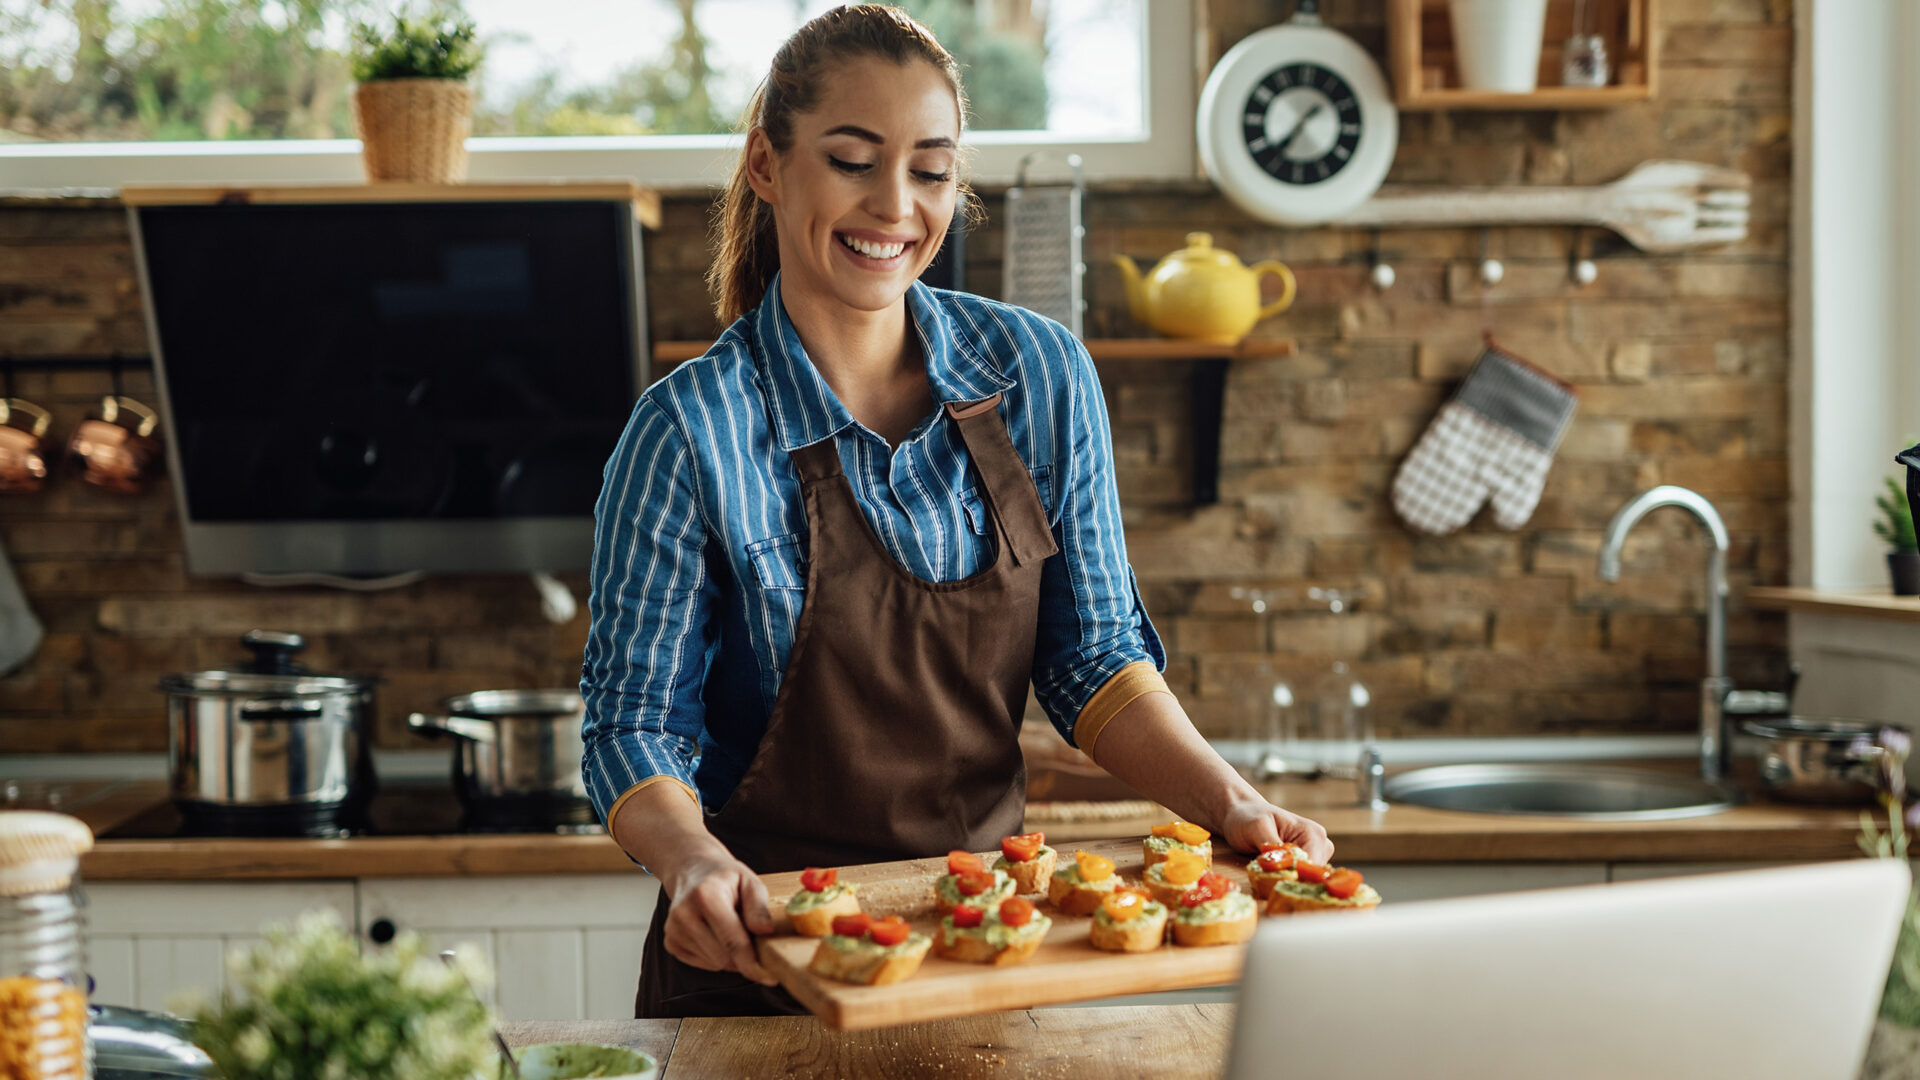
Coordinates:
column 1495, row 439
column 19, row 631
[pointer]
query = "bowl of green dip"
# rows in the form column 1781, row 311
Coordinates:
column 583, row 1061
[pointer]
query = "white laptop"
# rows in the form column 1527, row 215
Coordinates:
column 1749, row 975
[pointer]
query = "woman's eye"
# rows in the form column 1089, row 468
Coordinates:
column 935, row 178
column 853, row 167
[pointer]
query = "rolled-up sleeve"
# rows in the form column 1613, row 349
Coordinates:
column 1092, row 622
column 646, row 653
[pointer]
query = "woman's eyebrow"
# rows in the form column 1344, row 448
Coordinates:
column 939, row 143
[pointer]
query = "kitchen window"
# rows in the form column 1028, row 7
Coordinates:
column 149, row 91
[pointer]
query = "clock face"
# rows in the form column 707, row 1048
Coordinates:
column 1296, row 124
column 1302, row 123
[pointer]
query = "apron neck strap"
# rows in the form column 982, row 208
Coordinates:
column 1004, row 480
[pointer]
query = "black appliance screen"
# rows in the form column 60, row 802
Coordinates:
column 394, row 361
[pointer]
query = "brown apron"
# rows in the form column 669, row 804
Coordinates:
column 895, row 734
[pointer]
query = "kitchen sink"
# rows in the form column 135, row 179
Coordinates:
column 1588, row 792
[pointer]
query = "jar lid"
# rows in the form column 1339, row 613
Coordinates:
column 40, row 851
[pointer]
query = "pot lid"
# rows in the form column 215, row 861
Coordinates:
column 271, row 671
column 490, row 704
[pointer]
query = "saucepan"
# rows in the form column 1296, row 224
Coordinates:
column 513, row 745
column 1826, row 760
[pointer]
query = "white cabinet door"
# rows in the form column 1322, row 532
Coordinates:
column 152, row 941
column 562, row 946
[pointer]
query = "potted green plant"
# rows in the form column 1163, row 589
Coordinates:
column 1896, row 528
column 413, row 108
column 306, row 1002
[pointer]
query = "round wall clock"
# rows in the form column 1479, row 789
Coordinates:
column 1296, row 124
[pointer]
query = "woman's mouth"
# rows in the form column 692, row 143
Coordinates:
column 871, row 254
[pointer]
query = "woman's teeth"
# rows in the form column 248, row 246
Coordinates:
column 871, row 250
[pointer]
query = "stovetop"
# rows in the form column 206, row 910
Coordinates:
column 395, row 810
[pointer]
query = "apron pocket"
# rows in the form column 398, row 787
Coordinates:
column 777, row 562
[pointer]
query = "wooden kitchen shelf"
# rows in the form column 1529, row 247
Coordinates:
column 1206, row 373
column 1420, row 54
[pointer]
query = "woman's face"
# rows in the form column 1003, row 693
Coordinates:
column 863, row 198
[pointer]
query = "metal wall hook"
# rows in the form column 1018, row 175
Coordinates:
column 1492, row 270
column 1379, row 272
column 1580, row 266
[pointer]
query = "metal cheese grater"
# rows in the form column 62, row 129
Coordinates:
column 1042, row 260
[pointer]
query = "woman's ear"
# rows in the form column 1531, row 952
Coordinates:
column 759, row 158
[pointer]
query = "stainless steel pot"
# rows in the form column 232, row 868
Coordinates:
column 1813, row 759
column 270, row 739
column 514, row 744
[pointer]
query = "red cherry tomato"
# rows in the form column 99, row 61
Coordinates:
column 855, row 925
column 1343, row 883
column 974, row 882
column 1312, row 872
column 1276, row 860
column 814, row 880
column 967, row 915
column 891, row 930
column 1211, row 886
column 1016, row 911
column 1024, row 847
column 1272, row 845
column 959, row 862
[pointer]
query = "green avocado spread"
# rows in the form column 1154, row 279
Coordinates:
column 807, row 899
column 1160, row 845
column 1153, row 910
column 1070, row 873
column 996, row 933
column 915, row 941
column 949, row 889
column 1361, row 897
column 1229, row 908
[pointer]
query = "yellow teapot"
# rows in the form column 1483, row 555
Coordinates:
column 1203, row 293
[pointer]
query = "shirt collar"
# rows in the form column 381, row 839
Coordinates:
column 805, row 408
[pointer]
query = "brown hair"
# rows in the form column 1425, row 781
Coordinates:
column 747, row 254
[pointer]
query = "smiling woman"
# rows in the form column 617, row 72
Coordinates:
column 825, row 573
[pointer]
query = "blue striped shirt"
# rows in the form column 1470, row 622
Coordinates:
column 701, row 532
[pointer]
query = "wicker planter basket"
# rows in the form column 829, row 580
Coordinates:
column 414, row 129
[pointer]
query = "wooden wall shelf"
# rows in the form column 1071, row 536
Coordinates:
column 1868, row 604
column 1420, row 52
column 1206, row 374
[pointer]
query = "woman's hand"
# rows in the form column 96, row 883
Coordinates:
column 1250, row 822
column 717, row 905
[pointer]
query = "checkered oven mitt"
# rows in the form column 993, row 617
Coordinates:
column 1495, row 438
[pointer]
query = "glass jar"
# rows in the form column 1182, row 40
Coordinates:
column 43, row 981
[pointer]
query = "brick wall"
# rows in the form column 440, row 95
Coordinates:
column 1681, row 361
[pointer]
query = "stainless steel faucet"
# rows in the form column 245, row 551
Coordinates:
column 1716, row 686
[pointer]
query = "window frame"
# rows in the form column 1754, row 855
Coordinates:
column 667, row 162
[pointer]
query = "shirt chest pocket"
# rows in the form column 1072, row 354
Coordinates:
column 778, row 562
column 975, row 504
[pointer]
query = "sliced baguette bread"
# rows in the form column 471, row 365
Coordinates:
column 869, row 964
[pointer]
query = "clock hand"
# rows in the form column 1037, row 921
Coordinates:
column 1298, row 126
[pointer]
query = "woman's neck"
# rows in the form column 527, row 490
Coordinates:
column 868, row 358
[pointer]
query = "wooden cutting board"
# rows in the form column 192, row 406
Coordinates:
column 1064, row 968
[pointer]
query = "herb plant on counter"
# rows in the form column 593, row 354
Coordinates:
column 435, row 46
column 305, row 1004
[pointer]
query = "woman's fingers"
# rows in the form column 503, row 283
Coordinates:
column 753, row 904
column 716, row 900
column 690, row 942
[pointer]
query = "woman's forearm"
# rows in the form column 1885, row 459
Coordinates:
column 665, row 831
column 1152, row 746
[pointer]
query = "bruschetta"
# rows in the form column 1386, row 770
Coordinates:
column 821, row 897
column 1129, row 920
column 1322, row 888
column 1078, row 888
column 968, row 881
column 1167, row 881
column 872, row 952
column 1274, row 865
column 1178, row 836
column 1004, row 934
column 1028, row 861
column 1214, row 912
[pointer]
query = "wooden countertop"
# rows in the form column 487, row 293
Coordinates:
column 1756, row 831
column 1150, row 1042
column 1870, row 603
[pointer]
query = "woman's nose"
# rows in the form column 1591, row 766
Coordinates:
column 891, row 197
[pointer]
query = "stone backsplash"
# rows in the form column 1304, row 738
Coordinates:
column 1681, row 361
